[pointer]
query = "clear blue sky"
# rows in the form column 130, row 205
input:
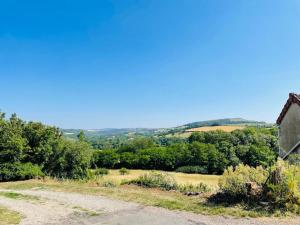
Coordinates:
column 150, row 63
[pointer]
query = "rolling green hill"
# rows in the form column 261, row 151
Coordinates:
column 222, row 122
column 132, row 132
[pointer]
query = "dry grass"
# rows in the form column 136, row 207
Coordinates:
column 214, row 128
column 153, row 197
column 172, row 200
column 8, row 217
column 181, row 178
column 187, row 133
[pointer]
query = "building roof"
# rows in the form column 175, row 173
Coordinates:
column 293, row 98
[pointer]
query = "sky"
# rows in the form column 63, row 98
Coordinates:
column 147, row 63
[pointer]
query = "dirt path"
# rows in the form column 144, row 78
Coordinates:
column 71, row 208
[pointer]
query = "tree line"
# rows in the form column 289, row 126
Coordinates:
column 211, row 152
column 29, row 149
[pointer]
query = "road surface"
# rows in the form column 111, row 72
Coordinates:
column 53, row 208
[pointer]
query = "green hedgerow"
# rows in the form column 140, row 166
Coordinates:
column 19, row 171
column 192, row 169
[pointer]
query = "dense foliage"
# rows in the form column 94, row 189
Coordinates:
column 234, row 181
column 26, row 149
column 192, row 169
column 19, row 171
column 283, row 186
column 203, row 152
column 279, row 186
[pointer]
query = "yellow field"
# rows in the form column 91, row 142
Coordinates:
column 181, row 178
column 214, row 128
column 187, row 133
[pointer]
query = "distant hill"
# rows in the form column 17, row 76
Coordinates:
column 109, row 132
column 227, row 125
column 222, row 122
column 131, row 132
column 226, row 128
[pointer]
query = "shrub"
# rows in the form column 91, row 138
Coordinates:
column 192, row 169
column 124, row 171
column 156, row 180
column 280, row 187
column 283, row 188
column 109, row 184
column 19, row 171
column 101, row 172
column 199, row 188
column 71, row 159
column 106, row 158
column 90, row 175
column 233, row 183
column 294, row 159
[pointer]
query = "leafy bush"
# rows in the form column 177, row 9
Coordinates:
column 166, row 182
column 124, row 171
column 260, row 155
column 41, row 145
column 199, row 188
column 192, row 169
column 283, row 189
column 71, row 159
column 294, row 159
column 233, row 183
column 156, row 180
column 106, row 158
column 19, row 171
column 280, row 185
column 101, row 171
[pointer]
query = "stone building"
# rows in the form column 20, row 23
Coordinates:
column 289, row 126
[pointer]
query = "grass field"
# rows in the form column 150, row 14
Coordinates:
column 181, row 178
column 214, row 128
column 187, row 133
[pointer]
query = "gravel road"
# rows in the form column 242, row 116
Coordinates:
column 70, row 208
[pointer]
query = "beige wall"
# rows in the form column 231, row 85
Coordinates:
column 290, row 128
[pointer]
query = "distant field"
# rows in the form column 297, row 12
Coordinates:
column 187, row 133
column 181, row 178
column 213, row 128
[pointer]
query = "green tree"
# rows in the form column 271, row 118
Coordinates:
column 106, row 158
column 199, row 154
column 81, row 136
column 260, row 155
column 12, row 142
column 69, row 160
column 41, row 142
